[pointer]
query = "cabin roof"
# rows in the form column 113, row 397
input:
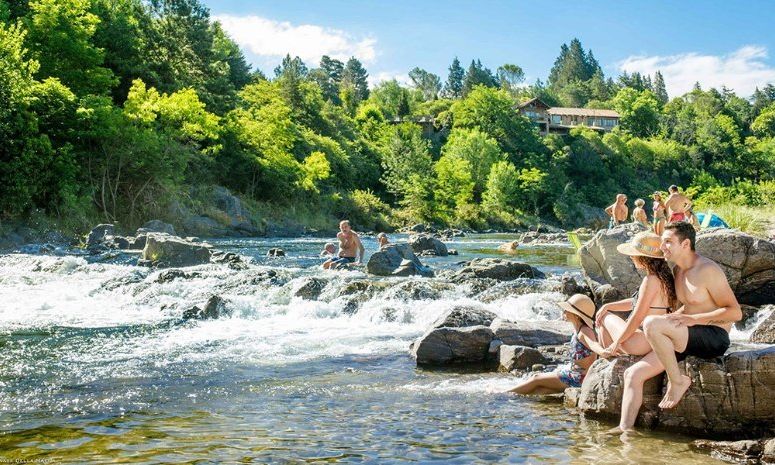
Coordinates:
column 582, row 112
column 533, row 101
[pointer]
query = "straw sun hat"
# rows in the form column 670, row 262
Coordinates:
column 581, row 306
column 644, row 244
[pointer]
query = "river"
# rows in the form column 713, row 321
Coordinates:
column 96, row 366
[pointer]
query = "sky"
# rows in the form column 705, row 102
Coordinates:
column 711, row 42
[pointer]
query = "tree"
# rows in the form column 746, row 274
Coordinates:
column 660, row 91
column 407, row 163
column 355, row 76
column 572, row 65
column 764, row 124
column 639, row 111
column 328, row 76
column 477, row 75
column 478, row 150
column 453, row 88
column 454, row 186
column 60, row 34
column 427, row 83
column 391, row 98
column 502, row 187
column 510, row 77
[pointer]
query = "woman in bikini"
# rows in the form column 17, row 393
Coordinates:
column 659, row 214
column 618, row 323
column 579, row 310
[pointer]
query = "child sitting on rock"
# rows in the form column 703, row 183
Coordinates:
column 580, row 311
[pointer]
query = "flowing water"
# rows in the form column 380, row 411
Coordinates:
column 96, row 365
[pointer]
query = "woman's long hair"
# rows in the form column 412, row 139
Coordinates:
column 658, row 267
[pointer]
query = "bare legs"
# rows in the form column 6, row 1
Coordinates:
column 544, row 383
column 634, row 378
column 613, row 327
column 667, row 338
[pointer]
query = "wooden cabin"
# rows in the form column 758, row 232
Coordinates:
column 560, row 120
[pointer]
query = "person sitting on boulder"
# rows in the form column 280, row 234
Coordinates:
column 579, row 310
column 639, row 214
column 618, row 323
column 329, row 250
column 617, row 211
column 351, row 248
column 382, row 240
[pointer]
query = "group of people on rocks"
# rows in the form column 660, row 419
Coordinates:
column 677, row 207
column 350, row 248
column 687, row 311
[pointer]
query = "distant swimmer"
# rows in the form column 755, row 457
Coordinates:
column 329, row 250
column 382, row 240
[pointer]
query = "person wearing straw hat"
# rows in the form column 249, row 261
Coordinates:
column 618, row 323
column 580, row 311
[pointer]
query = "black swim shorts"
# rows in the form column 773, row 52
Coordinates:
column 705, row 341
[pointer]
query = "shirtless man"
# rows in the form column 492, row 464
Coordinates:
column 618, row 210
column 676, row 204
column 700, row 327
column 351, row 249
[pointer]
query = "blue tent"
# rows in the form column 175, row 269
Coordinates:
column 714, row 221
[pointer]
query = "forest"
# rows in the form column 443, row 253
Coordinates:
column 114, row 110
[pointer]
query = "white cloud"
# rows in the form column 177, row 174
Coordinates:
column 381, row 76
column 742, row 70
column 268, row 38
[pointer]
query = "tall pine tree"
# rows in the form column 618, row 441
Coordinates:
column 454, row 85
column 355, row 76
column 659, row 88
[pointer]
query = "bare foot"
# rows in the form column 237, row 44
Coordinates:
column 675, row 391
column 615, row 431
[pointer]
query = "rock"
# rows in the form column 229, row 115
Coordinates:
column 499, row 290
column 156, row 226
column 275, row 252
column 749, row 315
column 98, row 233
column 424, row 242
column 444, row 346
column 139, row 242
column 496, row 268
column 571, row 397
column 603, row 264
column 231, row 259
column 204, row 226
column 768, row 455
column 734, row 394
column 509, row 247
column 748, row 451
column 171, row 275
column 418, row 290
column 168, row 251
column 747, row 261
column 731, row 395
column 311, row 288
column 463, row 315
column 605, row 293
column 452, row 252
column 389, row 260
column 116, row 242
column 532, row 333
column 519, row 357
column 214, row 308
column 603, row 386
column 765, row 332
column 418, row 228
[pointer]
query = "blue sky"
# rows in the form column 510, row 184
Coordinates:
column 713, row 42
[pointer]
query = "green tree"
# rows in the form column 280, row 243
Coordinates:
column 477, row 75
column 639, row 111
column 453, row 88
column 407, row 164
column 355, row 76
column 478, row 150
column 510, row 77
column 764, row 124
column 60, row 34
column 427, row 83
column 391, row 98
column 502, row 187
column 454, row 184
column 660, row 91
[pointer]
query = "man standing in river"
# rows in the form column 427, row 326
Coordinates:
column 351, row 249
column 700, row 327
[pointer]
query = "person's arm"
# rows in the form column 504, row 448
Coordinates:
column 727, row 308
column 609, row 210
column 648, row 290
column 361, row 249
column 618, row 306
column 591, row 343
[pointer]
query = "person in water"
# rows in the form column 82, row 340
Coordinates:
column 382, row 240
column 639, row 214
column 617, row 211
column 329, row 250
column 351, row 249
column 676, row 205
column 579, row 310
column 659, row 209
column 619, row 323
column 700, row 327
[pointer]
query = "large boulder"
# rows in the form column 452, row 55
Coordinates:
column 465, row 315
column 445, row 346
column 215, row 307
column 204, row 226
column 603, row 264
column 157, row 226
column 748, row 262
column 389, row 260
column 496, row 268
column 531, row 333
column 603, row 387
column 730, row 395
column 765, row 332
column 425, row 243
column 310, row 288
column 98, row 233
column 519, row 357
column 162, row 250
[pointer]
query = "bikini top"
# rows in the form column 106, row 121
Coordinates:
column 577, row 349
column 635, row 300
